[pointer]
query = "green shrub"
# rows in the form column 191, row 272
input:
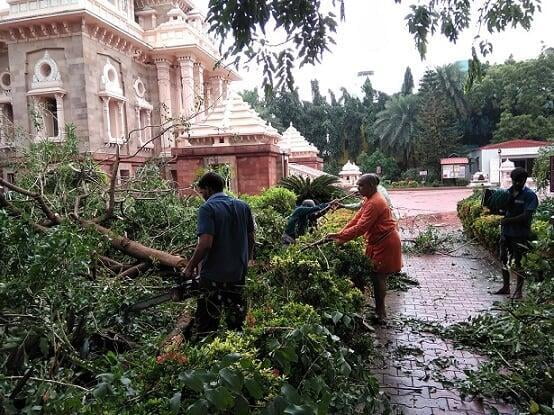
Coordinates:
column 487, row 231
column 281, row 200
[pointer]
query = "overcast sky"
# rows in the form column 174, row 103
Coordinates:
column 374, row 37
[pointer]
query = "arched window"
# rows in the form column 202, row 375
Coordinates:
column 47, row 98
column 113, row 103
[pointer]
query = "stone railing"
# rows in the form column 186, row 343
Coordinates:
column 174, row 35
column 101, row 8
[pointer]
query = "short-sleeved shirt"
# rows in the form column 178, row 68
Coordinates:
column 230, row 221
column 297, row 224
column 526, row 200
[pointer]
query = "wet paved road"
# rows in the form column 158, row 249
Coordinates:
column 425, row 202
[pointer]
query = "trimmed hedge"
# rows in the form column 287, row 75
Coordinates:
column 480, row 224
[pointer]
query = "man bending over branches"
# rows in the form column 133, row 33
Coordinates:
column 299, row 220
column 225, row 244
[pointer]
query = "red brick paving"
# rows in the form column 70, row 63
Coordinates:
column 452, row 288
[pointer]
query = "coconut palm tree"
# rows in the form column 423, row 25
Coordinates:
column 451, row 80
column 395, row 127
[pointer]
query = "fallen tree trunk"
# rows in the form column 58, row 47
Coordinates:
column 134, row 249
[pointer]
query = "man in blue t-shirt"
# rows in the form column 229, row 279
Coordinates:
column 516, row 230
column 300, row 219
column 225, row 245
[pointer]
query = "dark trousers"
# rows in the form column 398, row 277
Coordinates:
column 512, row 249
column 219, row 298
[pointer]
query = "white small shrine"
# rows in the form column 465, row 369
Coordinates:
column 350, row 173
column 506, row 169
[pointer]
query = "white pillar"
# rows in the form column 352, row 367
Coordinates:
column 186, row 64
column 60, row 115
column 106, row 113
column 162, row 68
column 207, row 97
column 148, row 129
column 217, row 89
column 225, row 89
column 199, row 104
column 2, row 124
column 139, row 125
column 121, row 129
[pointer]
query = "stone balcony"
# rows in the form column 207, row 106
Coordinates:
column 103, row 9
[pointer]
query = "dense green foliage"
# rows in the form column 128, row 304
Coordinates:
column 67, row 344
column 519, row 337
column 513, row 100
column 303, row 30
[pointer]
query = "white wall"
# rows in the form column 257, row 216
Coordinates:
column 489, row 163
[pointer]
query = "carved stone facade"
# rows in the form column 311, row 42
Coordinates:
column 121, row 71
column 110, row 67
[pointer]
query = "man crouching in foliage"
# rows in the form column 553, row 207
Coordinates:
column 225, row 244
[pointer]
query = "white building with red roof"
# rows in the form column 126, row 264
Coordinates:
column 489, row 158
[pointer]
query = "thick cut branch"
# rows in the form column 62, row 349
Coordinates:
column 135, row 270
column 135, row 249
column 112, row 264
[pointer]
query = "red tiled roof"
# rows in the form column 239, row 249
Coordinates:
column 455, row 160
column 518, row 144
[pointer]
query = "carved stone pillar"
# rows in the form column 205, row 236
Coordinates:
column 139, row 126
column 148, row 129
column 121, row 129
column 207, row 97
column 186, row 64
column 225, row 89
column 164, row 91
column 217, row 89
column 106, row 115
column 2, row 124
column 199, row 103
column 60, row 116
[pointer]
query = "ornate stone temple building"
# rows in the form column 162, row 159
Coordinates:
column 118, row 70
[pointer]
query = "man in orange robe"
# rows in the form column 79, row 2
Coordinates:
column 383, row 247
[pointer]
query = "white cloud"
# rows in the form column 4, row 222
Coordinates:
column 374, row 37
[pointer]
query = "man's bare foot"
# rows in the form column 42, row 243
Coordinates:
column 502, row 291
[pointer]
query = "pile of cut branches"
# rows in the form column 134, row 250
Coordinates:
column 77, row 247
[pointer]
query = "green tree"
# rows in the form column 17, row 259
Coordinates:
column 511, row 127
column 308, row 28
column 517, row 89
column 408, row 84
column 440, row 118
column 370, row 162
column 438, row 132
column 395, row 127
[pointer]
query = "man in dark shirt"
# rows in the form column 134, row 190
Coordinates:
column 299, row 220
column 516, row 230
column 225, row 243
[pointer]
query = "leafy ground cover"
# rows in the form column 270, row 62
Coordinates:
column 67, row 344
column 517, row 337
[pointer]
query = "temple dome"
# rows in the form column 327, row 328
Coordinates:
column 350, row 169
column 294, row 142
column 232, row 116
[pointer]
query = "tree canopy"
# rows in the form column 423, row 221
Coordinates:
column 512, row 100
column 306, row 29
